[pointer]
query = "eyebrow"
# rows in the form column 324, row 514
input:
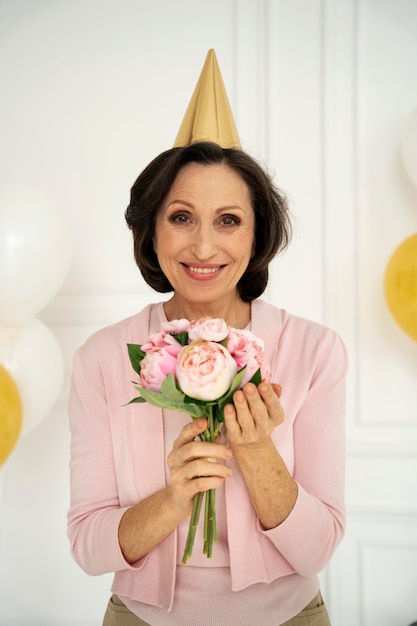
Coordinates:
column 191, row 206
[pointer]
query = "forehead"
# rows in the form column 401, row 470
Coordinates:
column 216, row 181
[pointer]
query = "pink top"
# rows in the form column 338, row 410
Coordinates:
column 118, row 457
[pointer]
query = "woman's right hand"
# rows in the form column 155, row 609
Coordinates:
column 147, row 523
column 196, row 465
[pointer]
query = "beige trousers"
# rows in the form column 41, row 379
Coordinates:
column 314, row 614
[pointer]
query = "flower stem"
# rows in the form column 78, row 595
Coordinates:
column 211, row 424
column 210, row 525
column 195, row 516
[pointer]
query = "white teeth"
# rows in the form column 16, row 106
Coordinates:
column 203, row 270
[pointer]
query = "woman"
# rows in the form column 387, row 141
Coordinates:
column 206, row 223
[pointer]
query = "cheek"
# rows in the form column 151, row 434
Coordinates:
column 160, row 239
column 166, row 244
column 248, row 243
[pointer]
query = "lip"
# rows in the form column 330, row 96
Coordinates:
column 202, row 272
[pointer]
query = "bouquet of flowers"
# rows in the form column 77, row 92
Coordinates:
column 195, row 367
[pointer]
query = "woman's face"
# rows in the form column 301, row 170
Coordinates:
column 204, row 234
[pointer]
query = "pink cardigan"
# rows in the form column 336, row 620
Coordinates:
column 118, row 458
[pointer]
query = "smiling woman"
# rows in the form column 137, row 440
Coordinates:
column 206, row 222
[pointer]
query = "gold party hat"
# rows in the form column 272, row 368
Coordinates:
column 209, row 116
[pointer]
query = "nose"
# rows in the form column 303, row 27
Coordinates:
column 204, row 242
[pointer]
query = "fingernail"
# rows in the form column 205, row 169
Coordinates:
column 239, row 396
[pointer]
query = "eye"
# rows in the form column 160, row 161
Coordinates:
column 230, row 220
column 179, row 218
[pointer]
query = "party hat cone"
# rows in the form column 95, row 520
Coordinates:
column 209, row 116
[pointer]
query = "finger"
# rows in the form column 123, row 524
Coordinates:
column 277, row 389
column 246, row 402
column 206, row 450
column 233, row 430
column 205, row 468
column 255, row 404
column 270, row 395
column 194, row 450
column 199, row 475
column 201, row 483
column 190, row 432
column 263, row 405
column 196, row 477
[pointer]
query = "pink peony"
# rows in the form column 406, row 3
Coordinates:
column 205, row 370
column 157, row 364
column 247, row 349
column 209, row 329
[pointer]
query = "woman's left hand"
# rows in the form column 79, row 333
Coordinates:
column 256, row 412
column 249, row 424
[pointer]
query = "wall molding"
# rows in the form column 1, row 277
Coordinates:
column 384, row 449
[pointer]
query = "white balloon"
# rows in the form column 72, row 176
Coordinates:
column 32, row 355
column 409, row 147
column 35, row 253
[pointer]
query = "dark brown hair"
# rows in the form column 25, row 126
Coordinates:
column 272, row 222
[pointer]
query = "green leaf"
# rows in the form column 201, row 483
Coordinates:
column 160, row 400
column 188, row 399
column 182, row 338
column 195, row 410
column 135, row 400
column 136, row 354
column 257, row 377
column 235, row 384
column 170, row 390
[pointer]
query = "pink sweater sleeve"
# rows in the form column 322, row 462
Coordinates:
column 95, row 509
column 315, row 526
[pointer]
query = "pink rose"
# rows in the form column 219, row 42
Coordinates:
column 205, row 370
column 161, row 339
column 209, row 329
column 175, row 326
column 157, row 364
column 247, row 349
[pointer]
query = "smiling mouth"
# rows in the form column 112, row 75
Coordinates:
column 203, row 270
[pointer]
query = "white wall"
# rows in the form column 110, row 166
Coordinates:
column 321, row 90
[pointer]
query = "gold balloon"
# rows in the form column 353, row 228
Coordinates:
column 401, row 285
column 10, row 414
